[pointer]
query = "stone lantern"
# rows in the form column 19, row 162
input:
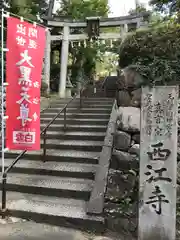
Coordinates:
column 69, row 87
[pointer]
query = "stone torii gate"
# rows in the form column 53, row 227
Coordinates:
column 124, row 23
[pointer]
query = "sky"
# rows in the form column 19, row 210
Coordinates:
column 122, row 7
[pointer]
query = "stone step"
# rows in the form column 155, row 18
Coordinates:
column 96, row 99
column 84, row 105
column 89, row 128
column 78, row 115
column 89, row 99
column 58, row 156
column 96, row 105
column 57, row 191
column 91, row 136
column 61, row 169
column 30, row 230
column 86, row 101
column 52, row 210
column 76, row 121
column 91, row 146
column 65, row 187
column 82, row 110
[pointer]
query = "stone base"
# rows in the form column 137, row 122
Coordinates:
column 68, row 93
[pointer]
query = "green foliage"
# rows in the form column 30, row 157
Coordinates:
column 169, row 7
column 79, row 9
column 28, row 8
column 139, row 9
column 108, row 64
column 83, row 61
column 83, row 58
column 155, row 52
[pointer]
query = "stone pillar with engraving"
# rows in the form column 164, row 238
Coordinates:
column 158, row 163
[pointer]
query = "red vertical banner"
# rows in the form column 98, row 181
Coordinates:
column 24, row 61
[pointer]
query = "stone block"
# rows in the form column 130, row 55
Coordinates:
column 178, row 173
column 128, row 119
column 136, row 98
column 123, row 98
column 122, row 140
column 124, row 160
column 135, row 149
column 120, row 185
column 178, row 149
column 102, row 238
column 122, row 224
column 136, row 138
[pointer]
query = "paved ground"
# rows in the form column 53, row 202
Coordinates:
column 34, row 231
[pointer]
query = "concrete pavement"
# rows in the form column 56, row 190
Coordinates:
column 35, row 231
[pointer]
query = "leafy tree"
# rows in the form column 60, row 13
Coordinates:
column 170, row 7
column 83, row 57
column 3, row 4
column 139, row 9
column 29, row 9
column 80, row 9
column 154, row 19
column 109, row 64
column 155, row 53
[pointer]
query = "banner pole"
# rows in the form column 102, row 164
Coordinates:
column 2, row 88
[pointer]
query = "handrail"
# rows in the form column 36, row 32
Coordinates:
column 21, row 154
column 4, row 176
column 44, row 129
column 43, row 132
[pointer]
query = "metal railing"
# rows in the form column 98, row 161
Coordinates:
column 44, row 135
column 44, row 131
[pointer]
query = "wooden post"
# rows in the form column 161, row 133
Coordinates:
column 158, row 163
column 47, row 60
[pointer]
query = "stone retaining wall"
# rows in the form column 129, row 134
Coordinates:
column 121, row 203
column 126, row 139
column 122, row 191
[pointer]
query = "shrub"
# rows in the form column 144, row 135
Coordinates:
column 155, row 52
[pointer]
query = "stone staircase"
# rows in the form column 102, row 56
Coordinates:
column 56, row 192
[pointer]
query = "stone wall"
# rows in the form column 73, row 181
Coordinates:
column 121, row 200
column 129, row 87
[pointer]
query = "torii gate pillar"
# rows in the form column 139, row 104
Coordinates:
column 64, row 61
column 47, row 60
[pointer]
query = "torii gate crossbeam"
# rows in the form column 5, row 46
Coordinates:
column 66, row 37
